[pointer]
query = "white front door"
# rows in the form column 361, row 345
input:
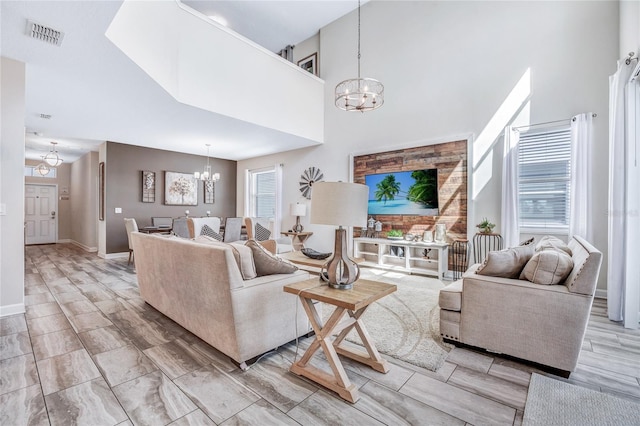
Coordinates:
column 40, row 214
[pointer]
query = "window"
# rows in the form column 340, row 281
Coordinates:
column 544, row 178
column 262, row 193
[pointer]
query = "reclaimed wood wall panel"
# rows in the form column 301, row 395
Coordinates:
column 450, row 159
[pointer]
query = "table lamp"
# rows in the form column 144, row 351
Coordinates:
column 298, row 210
column 340, row 204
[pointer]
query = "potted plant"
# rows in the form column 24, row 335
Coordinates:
column 485, row 227
column 394, row 234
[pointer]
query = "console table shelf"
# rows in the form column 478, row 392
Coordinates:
column 402, row 255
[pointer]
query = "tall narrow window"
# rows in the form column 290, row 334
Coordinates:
column 544, row 179
column 262, row 194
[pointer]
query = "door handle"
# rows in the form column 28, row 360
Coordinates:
column 53, row 215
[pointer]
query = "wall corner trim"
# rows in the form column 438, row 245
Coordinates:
column 84, row 247
column 8, row 310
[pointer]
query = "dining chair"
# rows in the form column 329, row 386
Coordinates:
column 180, row 227
column 162, row 222
column 232, row 229
column 131, row 226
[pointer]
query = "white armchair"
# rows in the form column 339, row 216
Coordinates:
column 130, row 225
column 195, row 225
column 283, row 244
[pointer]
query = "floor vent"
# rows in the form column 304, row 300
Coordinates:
column 44, row 33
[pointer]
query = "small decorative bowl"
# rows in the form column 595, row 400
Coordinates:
column 312, row 254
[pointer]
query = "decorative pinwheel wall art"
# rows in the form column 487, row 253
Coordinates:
column 307, row 179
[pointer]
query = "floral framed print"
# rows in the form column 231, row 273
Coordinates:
column 180, row 189
column 148, row 186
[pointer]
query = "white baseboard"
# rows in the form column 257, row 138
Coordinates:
column 7, row 310
column 84, row 247
column 600, row 294
column 63, row 241
column 115, row 255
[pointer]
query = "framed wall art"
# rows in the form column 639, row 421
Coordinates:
column 209, row 192
column 310, row 63
column 148, row 186
column 101, row 191
column 180, row 189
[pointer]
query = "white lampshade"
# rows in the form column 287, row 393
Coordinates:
column 297, row 209
column 339, row 203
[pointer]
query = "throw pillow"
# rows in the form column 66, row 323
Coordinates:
column 262, row 233
column 548, row 267
column 268, row 264
column 507, row 263
column 206, row 230
column 244, row 258
column 242, row 255
column 527, row 242
column 549, row 242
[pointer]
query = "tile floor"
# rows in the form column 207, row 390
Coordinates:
column 89, row 351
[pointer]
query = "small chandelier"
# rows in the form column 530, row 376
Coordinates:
column 42, row 169
column 207, row 175
column 359, row 94
column 52, row 158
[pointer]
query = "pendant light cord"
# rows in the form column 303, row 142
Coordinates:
column 358, row 41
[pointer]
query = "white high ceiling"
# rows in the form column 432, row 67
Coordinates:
column 94, row 93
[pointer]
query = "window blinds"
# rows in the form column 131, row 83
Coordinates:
column 265, row 194
column 544, row 161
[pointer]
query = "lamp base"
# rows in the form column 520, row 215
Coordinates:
column 298, row 226
column 341, row 272
column 341, row 286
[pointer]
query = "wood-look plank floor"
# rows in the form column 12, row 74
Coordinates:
column 89, row 351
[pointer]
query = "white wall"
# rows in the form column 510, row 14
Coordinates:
column 459, row 68
column 12, row 109
column 629, row 27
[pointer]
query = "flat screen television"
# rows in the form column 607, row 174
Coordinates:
column 403, row 193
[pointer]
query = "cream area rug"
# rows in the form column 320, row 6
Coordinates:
column 405, row 324
column 554, row 402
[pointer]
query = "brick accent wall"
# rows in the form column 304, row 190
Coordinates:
column 450, row 159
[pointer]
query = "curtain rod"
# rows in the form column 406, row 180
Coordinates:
column 566, row 120
column 630, row 58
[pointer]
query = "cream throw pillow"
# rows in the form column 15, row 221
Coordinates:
column 268, row 264
column 548, row 267
column 507, row 263
column 549, row 242
column 243, row 256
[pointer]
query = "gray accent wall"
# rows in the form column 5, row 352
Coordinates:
column 123, row 171
column 84, row 201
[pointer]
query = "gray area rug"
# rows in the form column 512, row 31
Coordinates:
column 406, row 324
column 554, row 402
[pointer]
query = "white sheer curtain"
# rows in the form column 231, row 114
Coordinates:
column 581, row 172
column 510, row 226
column 622, row 274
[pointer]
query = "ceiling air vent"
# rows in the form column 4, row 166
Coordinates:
column 44, row 33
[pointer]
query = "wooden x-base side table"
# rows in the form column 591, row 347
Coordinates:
column 353, row 302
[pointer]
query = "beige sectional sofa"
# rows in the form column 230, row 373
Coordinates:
column 544, row 324
column 200, row 286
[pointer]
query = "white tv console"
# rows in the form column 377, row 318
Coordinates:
column 417, row 257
